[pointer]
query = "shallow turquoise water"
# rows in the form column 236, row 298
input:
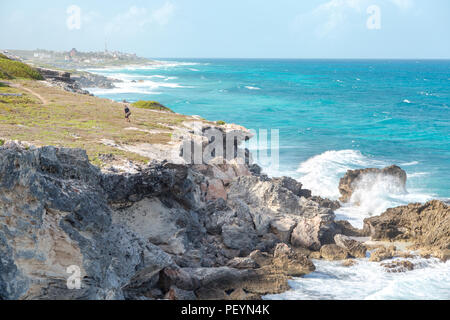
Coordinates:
column 389, row 111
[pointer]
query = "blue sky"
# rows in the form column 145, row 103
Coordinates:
column 234, row 28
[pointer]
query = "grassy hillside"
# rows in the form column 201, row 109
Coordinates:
column 50, row 116
column 10, row 69
column 151, row 105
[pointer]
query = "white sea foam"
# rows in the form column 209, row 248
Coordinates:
column 142, row 87
column 252, row 88
column 321, row 173
column 372, row 195
column 123, row 70
column 134, row 82
column 369, row 280
column 407, row 101
column 406, row 164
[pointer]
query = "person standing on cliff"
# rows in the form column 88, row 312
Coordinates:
column 127, row 111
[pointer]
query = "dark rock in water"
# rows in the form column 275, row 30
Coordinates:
column 333, row 252
column 90, row 80
column 398, row 266
column 427, row 225
column 355, row 248
column 349, row 263
column 349, row 182
column 290, row 262
column 62, row 79
column 76, row 82
column 382, row 253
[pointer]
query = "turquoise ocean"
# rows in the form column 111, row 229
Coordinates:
column 332, row 115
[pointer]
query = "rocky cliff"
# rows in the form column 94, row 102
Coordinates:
column 427, row 225
column 167, row 230
column 216, row 230
column 62, row 79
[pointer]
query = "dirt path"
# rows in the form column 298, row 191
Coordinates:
column 37, row 95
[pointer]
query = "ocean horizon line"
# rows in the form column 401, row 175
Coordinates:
column 301, row 59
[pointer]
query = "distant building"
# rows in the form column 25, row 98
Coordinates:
column 42, row 55
column 73, row 53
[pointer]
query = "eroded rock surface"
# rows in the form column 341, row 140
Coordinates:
column 355, row 248
column 153, row 233
column 427, row 225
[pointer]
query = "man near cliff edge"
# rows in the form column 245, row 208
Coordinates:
column 127, row 111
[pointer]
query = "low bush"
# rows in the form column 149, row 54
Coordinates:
column 10, row 69
column 151, row 105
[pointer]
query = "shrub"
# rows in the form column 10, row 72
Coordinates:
column 14, row 69
column 220, row 122
column 151, row 105
column 2, row 142
column 4, row 75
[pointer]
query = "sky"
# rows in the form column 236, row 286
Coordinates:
column 399, row 29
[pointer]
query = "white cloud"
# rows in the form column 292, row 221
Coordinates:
column 330, row 16
column 137, row 18
column 403, row 4
column 164, row 14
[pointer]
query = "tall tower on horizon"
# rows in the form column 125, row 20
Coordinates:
column 106, row 46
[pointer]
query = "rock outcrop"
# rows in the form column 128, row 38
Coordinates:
column 427, row 225
column 352, row 178
column 355, row 248
column 154, row 233
column 398, row 266
column 90, row 80
column 62, row 79
column 333, row 252
column 382, row 253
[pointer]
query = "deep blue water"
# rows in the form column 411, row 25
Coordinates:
column 371, row 113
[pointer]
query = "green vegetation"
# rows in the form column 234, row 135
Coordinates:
column 220, row 123
column 2, row 142
column 151, row 105
column 10, row 69
column 79, row 121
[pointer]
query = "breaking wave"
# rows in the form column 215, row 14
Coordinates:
column 372, row 195
column 369, row 281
